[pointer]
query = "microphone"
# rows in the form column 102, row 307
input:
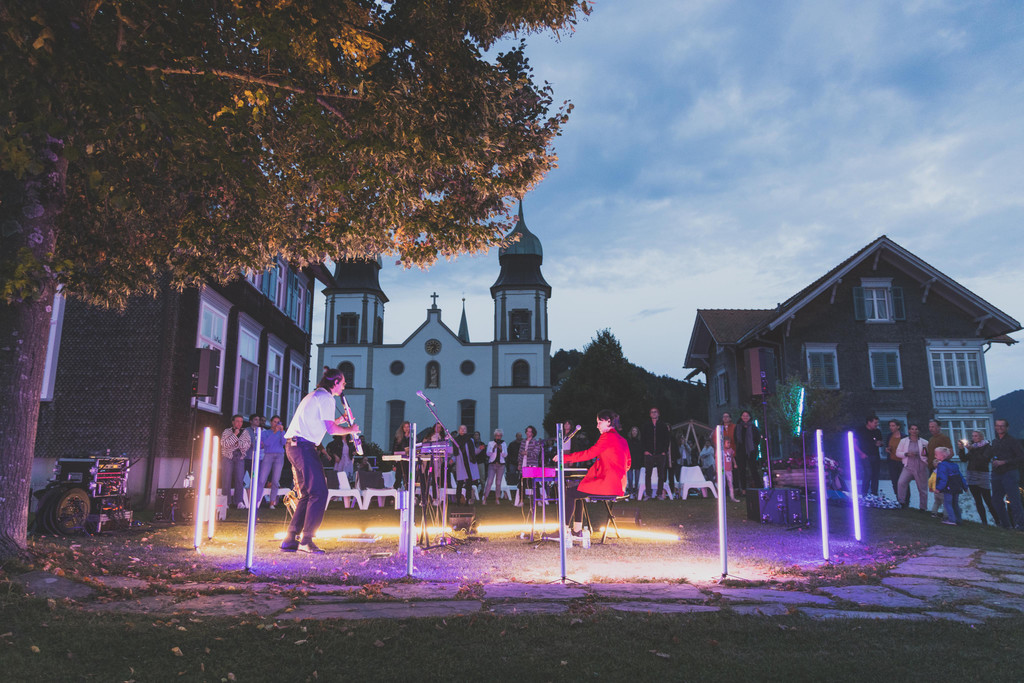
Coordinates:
column 429, row 402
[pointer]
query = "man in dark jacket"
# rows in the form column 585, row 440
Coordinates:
column 656, row 441
column 746, row 438
column 1007, row 458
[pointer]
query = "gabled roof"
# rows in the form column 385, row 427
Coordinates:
column 993, row 324
column 719, row 327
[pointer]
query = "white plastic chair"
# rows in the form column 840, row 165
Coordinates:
column 642, row 485
column 693, row 478
column 506, row 489
column 381, row 493
column 346, row 493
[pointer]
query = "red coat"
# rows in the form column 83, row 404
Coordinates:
column 607, row 476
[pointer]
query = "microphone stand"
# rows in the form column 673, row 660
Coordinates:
column 446, row 538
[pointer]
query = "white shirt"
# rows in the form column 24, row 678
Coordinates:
column 493, row 453
column 308, row 422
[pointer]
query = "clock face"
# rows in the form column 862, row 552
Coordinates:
column 432, row 346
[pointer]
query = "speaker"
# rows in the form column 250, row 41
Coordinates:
column 761, row 366
column 776, row 506
column 174, row 505
column 205, row 369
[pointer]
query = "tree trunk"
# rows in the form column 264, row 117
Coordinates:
column 29, row 220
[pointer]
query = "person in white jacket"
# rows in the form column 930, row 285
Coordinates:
column 497, row 451
column 913, row 452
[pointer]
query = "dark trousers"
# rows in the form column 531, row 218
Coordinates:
column 575, row 497
column 983, row 497
column 312, row 486
column 870, row 471
column 1006, row 486
column 659, row 461
column 895, row 469
column 741, row 465
column 232, row 481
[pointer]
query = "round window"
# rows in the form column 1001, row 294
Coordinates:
column 467, row 367
column 397, row 367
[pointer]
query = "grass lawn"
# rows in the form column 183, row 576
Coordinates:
column 585, row 643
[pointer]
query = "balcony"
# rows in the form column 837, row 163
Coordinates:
column 961, row 398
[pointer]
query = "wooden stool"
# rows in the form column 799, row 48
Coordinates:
column 608, row 501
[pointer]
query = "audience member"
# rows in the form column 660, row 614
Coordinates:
column 913, row 452
column 745, row 440
column 949, row 483
column 979, row 476
column 936, row 439
column 867, row 441
column 1007, row 458
column 235, row 442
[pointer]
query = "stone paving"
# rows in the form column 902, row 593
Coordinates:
column 959, row 584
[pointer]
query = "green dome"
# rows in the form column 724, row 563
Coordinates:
column 528, row 244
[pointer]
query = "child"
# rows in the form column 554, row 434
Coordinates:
column 950, row 483
column 727, row 459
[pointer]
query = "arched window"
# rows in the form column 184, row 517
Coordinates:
column 520, row 373
column 349, row 371
column 433, row 377
column 467, row 414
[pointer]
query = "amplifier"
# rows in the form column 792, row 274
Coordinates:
column 175, row 505
column 776, row 506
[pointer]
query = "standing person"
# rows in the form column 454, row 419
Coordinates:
column 913, row 452
column 656, row 441
column 314, row 418
column 255, row 427
column 949, row 483
column 867, row 441
column 512, row 461
column 273, row 459
column 895, row 466
column 497, row 453
column 636, row 461
column 979, row 476
column 728, row 461
column 400, row 446
column 1007, row 457
column 706, row 461
column 466, row 472
column 607, row 476
column 936, row 439
column 728, row 428
column 745, row 440
column 531, row 454
column 235, row 442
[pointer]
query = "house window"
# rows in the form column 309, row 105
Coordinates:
column 253, row 278
column 956, row 369
column 519, row 322
column 822, row 365
column 876, row 300
column 396, row 416
column 433, row 375
column 959, row 429
column 349, row 370
column 467, row 414
column 520, row 373
column 294, row 388
column 722, row 388
column 281, row 292
column 275, row 380
column 248, row 371
column 300, row 308
column 213, row 322
column 348, row 328
column 268, row 284
column 885, row 367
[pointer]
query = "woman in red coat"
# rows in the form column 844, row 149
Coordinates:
column 607, row 476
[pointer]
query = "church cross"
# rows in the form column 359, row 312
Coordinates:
column 434, row 297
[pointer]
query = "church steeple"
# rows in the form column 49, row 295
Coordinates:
column 463, row 325
column 521, row 293
column 355, row 303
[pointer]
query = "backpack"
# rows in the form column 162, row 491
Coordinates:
column 954, row 483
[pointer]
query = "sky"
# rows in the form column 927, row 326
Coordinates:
column 725, row 154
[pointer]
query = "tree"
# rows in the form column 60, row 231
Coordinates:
column 822, row 409
column 183, row 142
column 603, row 378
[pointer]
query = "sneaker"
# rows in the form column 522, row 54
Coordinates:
column 241, row 506
column 310, row 548
column 289, row 546
column 273, row 507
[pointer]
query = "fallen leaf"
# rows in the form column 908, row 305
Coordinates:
column 177, row 651
column 301, row 642
column 378, row 643
column 34, row 648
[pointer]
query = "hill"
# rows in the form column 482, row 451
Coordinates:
column 1010, row 407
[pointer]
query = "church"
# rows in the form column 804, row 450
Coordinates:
column 504, row 383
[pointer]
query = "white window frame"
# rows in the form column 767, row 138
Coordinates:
column 281, row 296
column 253, row 278
column 877, row 290
column 885, row 348
column 53, row 346
column 247, row 327
column 823, row 349
column 294, row 388
column 940, row 352
column 275, row 377
column 956, row 427
column 218, row 306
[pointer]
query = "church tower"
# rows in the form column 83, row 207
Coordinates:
column 355, row 319
column 522, row 347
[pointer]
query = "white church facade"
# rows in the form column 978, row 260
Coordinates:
column 502, row 383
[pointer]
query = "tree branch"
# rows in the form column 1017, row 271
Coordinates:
column 249, row 78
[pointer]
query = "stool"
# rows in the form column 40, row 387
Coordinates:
column 608, row 501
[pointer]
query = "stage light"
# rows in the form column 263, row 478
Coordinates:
column 822, row 494
column 853, row 484
column 255, row 498
column 214, row 470
column 645, row 534
column 723, row 533
column 201, row 499
column 800, row 414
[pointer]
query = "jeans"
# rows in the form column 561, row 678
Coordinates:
column 1006, row 485
column 232, row 481
column 312, row 485
column 951, row 504
column 270, row 473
